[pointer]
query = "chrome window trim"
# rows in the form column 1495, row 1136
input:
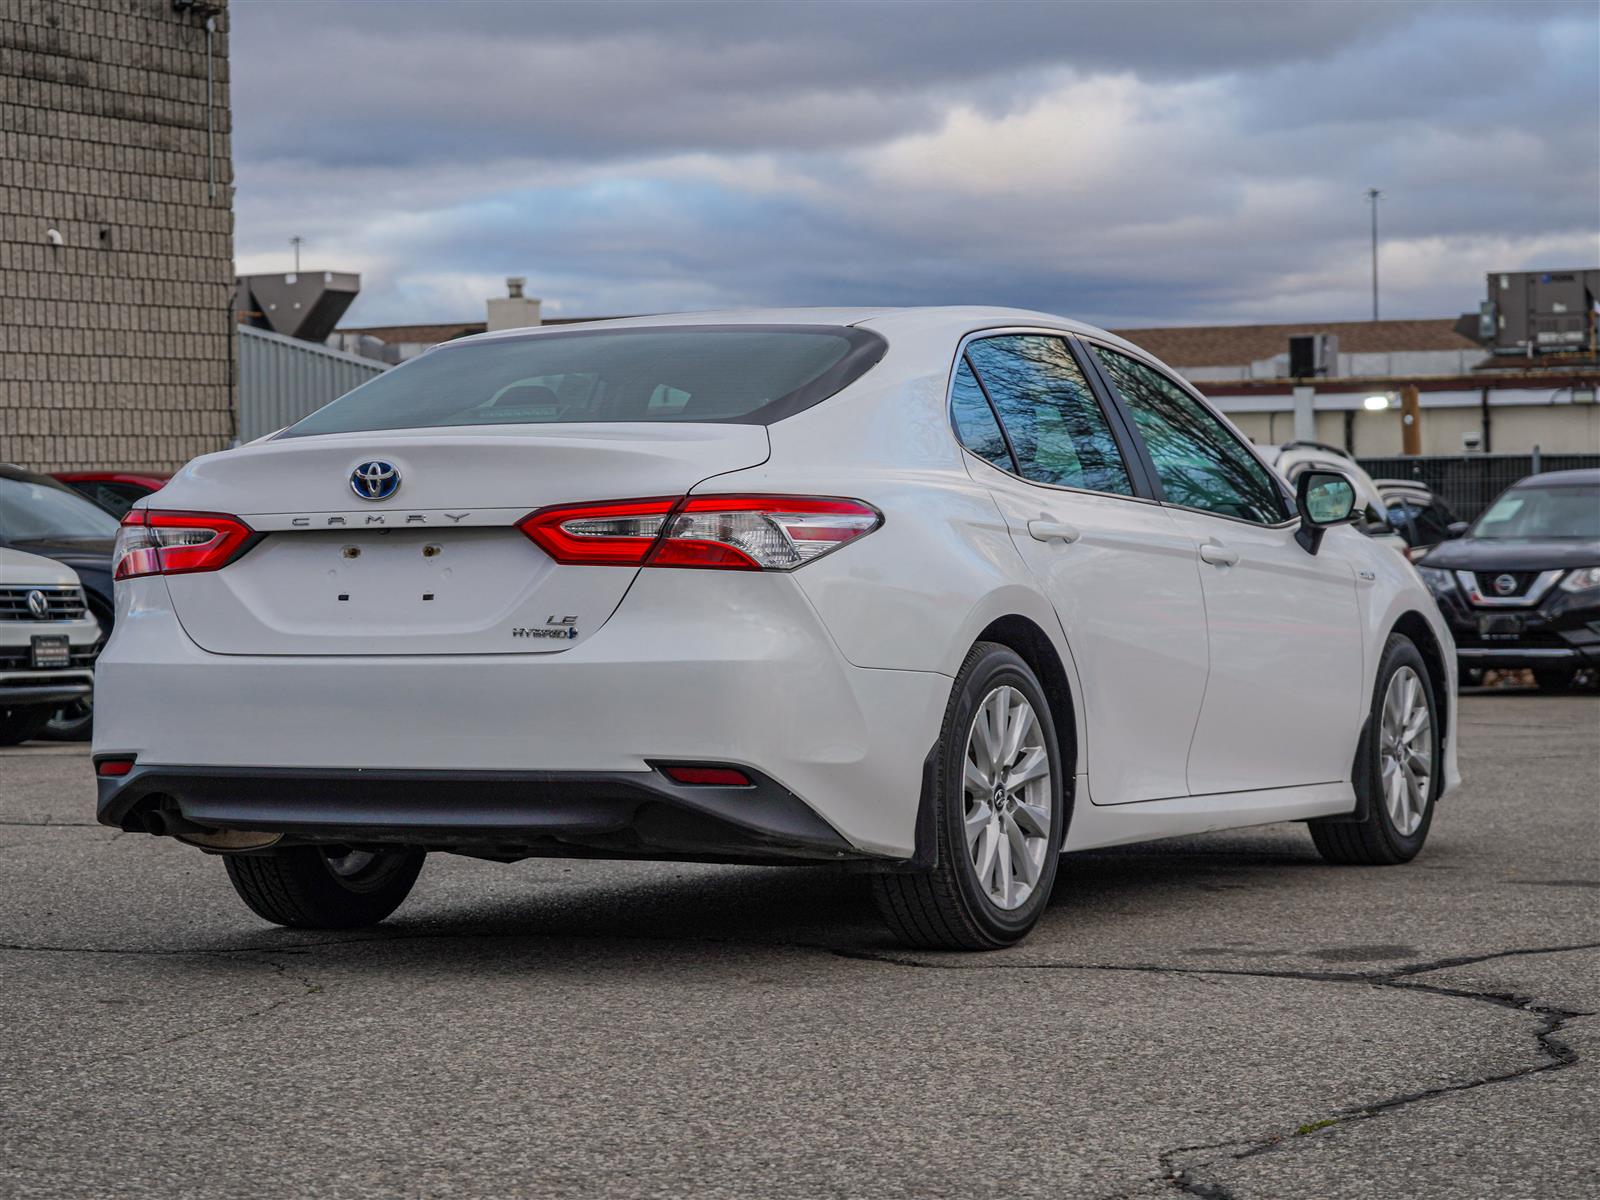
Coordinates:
column 979, row 335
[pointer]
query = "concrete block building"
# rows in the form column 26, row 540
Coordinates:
column 116, row 233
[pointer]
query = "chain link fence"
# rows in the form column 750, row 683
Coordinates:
column 1469, row 482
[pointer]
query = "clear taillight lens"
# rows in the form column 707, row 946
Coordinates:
column 761, row 533
column 729, row 533
column 177, row 543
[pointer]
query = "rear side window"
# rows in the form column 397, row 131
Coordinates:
column 975, row 423
column 749, row 374
column 1200, row 463
column 1058, row 431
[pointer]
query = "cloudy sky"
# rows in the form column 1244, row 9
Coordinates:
column 1127, row 163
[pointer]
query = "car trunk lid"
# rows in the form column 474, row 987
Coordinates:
column 438, row 566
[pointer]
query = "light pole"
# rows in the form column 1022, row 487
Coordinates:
column 298, row 241
column 1372, row 197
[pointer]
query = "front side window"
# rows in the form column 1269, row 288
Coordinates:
column 1198, row 460
column 1057, row 428
column 751, row 374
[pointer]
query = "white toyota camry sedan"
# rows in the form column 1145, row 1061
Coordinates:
column 939, row 594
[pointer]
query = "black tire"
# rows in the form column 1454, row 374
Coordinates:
column 74, row 723
column 19, row 725
column 1555, row 680
column 1375, row 840
column 948, row 908
column 300, row 887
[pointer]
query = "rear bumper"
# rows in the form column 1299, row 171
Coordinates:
column 694, row 667
column 500, row 814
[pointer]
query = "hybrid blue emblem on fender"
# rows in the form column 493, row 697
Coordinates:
column 375, row 480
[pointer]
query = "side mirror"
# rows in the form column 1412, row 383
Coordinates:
column 1458, row 528
column 1323, row 498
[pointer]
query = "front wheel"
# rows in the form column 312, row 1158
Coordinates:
column 325, row 887
column 999, row 812
column 1398, row 767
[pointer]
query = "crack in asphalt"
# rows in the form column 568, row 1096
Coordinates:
column 1178, row 1174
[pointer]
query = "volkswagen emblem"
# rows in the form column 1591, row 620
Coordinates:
column 375, row 480
column 1504, row 585
column 38, row 604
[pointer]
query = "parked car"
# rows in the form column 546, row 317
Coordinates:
column 1418, row 515
column 42, row 516
column 114, row 491
column 930, row 593
column 48, row 640
column 1521, row 589
column 1292, row 459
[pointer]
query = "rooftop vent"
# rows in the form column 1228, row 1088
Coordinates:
column 302, row 304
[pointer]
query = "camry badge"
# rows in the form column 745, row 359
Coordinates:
column 375, row 480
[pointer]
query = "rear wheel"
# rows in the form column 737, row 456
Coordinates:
column 1397, row 767
column 325, row 887
column 999, row 812
column 22, row 724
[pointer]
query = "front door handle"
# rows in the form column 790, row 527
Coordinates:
column 1218, row 555
column 1058, row 531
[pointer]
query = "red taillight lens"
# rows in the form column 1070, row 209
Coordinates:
column 114, row 766
column 615, row 533
column 729, row 533
column 707, row 776
column 152, row 542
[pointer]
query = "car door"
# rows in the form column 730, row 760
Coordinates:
column 1120, row 573
column 1283, row 697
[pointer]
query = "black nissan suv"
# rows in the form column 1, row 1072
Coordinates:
column 1522, row 588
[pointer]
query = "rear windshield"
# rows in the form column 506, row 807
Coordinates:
column 43, row 511
column 1542, row 512
column 751, row 374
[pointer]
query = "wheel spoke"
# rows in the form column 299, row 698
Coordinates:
column 1020, row 723
column 1026, row 867
column 986, row 737
column 1035, row 764
column 988, row 847
column 979, row 782
column 977, row 821
column 1003, row 875
column 1034, row 819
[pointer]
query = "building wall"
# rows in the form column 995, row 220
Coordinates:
column 1514, row 428
column 115, row 346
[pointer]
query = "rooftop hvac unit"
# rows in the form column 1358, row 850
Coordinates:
column 1541, row 312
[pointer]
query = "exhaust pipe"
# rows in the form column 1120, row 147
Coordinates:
column 165, row 823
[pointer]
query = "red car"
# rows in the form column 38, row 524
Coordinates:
column 114, row 491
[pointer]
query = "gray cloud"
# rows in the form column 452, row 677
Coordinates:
column 1133, row 163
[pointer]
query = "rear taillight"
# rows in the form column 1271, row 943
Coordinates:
column 728, row 533
column 176, row 543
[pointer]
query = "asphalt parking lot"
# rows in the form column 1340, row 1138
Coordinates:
column 1222, row 1016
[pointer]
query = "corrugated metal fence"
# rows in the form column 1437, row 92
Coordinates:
column 1470, row 482
column 282, row 379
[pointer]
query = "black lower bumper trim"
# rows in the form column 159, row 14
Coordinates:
column 42, row 693
column 502, row 814
column 1513, row 656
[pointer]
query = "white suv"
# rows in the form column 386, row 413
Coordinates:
column 934, row 593
column 47, row 643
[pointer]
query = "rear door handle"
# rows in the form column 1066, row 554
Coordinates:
column 1046, row 531
column 1218, row 555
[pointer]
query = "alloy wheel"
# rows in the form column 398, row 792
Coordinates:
column 1405, row 753
column 1007, row 788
